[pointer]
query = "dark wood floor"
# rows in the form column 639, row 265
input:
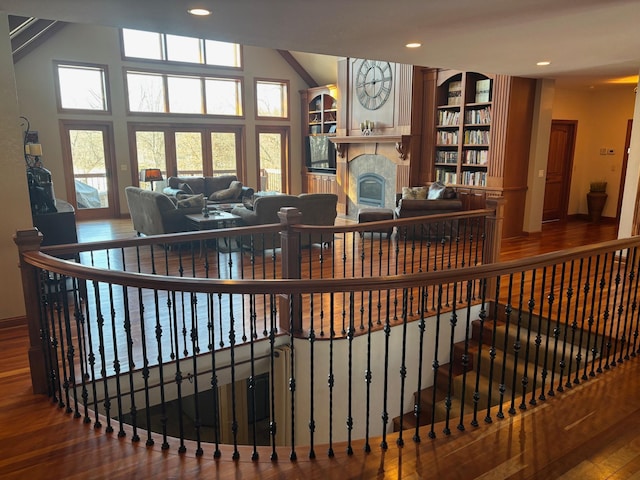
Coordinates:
column 591, row 433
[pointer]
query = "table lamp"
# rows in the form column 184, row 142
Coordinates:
column 151, row 175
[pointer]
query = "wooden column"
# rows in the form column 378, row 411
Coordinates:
column 290, row 243
column 493, row 238
column 30, row 240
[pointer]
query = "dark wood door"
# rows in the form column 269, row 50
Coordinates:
column 559, row 166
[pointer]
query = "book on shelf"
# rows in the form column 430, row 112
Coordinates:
column 480, row 116
column 448, row 118
column 454, row 96
column 445, row 176
column 483, row 90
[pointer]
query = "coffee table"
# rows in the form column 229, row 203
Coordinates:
column 216, row 219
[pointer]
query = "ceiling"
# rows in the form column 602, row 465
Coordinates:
column 590, row 43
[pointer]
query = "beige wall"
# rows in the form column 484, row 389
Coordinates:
column 602, row 117
column 14, row 195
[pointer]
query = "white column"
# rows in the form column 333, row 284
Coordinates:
column 14, row 194
column 632, row 178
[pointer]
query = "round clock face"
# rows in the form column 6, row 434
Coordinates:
column 373, row 83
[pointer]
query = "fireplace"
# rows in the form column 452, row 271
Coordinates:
column 371, row 189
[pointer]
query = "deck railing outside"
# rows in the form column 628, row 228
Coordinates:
column 331, row 337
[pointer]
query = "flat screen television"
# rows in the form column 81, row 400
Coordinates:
column 320, row 153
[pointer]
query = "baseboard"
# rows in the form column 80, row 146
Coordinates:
column 585, row 217
column 13, row 322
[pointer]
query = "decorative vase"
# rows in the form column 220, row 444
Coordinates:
column 596, row 198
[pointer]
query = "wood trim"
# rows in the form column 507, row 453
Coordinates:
column 299, row 69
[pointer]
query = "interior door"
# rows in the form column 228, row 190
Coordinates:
column 559, row 167
column 89, row 169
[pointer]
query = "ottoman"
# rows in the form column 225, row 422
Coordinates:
column 376, row 214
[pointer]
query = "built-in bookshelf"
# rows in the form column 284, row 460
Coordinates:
column 322, row 114
column 463, row 128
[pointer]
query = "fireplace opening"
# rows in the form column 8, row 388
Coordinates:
column 371, row 190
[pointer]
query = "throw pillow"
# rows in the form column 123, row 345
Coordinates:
column 436, row 191
column 247, row 202
column 234, row 190
column 414, row 193
column 186, row 188
column 191, row 201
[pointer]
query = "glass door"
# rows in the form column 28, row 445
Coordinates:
column 273, row 155
column 89, row 169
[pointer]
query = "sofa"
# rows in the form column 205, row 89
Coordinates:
column 316, row 209
column 154, row 213
column 432, row 200
column 220, row 189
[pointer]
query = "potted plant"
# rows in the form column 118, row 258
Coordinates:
column 596, row 198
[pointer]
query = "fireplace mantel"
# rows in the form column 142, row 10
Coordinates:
column 402, row 142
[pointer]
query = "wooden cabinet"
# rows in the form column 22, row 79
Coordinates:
column 315, row 182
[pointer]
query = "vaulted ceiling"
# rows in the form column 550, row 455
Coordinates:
column 588, row 42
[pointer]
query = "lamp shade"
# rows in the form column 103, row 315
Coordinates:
column 151, row 175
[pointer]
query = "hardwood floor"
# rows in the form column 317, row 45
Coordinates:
column 591, row 433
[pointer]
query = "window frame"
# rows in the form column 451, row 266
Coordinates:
column 169, row 131
column 164, row 61
column 285, row 160
column 105, row 79
column 202, row 78
column 280, row 81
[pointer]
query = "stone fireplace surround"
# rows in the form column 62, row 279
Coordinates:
column 370, row 164
column 371, row 156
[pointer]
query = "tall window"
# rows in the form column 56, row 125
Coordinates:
column 273, row 158
column 189, row 160
column 224, row 152
column 272, row 98
column 154, row 92
column 176, row 48
column 151, row 153
column 189, row 150
column 82, row 87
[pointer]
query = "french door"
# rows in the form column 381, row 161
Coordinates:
column 89, row 166
column 273, row 159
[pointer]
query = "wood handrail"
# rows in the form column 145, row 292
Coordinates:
column 300, row 286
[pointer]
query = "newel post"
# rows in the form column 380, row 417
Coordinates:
column 30, row 240
column 290, row 244
column 493, row 238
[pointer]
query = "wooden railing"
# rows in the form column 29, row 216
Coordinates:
column 411, row 334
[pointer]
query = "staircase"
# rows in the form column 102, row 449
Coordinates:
column 527, row 364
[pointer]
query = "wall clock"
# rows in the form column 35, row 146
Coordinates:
column 373, row 83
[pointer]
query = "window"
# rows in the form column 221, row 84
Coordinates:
column 82, row 87
column 189, row 150
column 224, row 152
column 150, row 151
column 273, row 158
column 176, row 48
column 272, row 98
column 199, row 95
column 145, row 92
column 189, row 154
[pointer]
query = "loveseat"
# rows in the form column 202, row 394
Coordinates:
column 154, row 213
column 220, row 189
column 316, row 209
column 433, row 200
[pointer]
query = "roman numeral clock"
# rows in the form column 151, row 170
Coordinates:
column 374, row 80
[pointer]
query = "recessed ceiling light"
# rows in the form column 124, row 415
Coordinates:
column 200, row 12
column 543, row 64
column 413, row 45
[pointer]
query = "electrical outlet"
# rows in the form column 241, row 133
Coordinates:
column 603, row 151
